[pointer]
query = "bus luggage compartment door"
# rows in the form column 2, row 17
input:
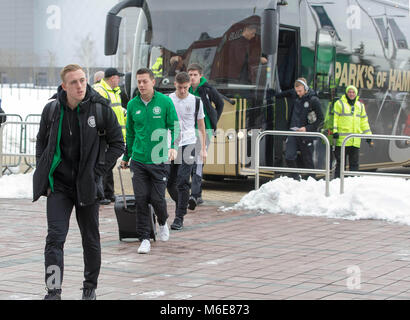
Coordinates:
column 222, row 151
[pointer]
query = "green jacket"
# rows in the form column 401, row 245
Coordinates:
column 147, row 129
column 346, row 121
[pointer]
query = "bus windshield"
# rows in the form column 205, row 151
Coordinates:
column 224, row 40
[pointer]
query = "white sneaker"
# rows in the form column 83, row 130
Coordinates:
column 145, row 246
column 163, row 232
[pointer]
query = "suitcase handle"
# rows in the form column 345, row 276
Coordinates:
column 122, row 187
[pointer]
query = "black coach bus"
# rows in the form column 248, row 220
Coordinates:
column 332, row 44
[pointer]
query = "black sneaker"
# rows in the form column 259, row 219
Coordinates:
column 177, row 224
column 192, row 203
column 89, row 294
column 199, row 201
column 54, row 294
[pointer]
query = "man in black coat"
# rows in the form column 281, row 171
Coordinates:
column 305, row 116
column 210, row 97
column 69, row 171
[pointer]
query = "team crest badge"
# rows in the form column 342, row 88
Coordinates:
column 156, row 110
column 91, row 122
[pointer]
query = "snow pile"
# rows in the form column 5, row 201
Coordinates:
column 364, row 198
column 17, row 186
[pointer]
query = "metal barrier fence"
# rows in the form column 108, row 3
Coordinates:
column 29, row 141
column 325, row 171
column 344, row 172
column 11, row 136
column 17, row 141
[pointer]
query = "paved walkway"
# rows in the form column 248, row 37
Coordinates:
column 218, row 255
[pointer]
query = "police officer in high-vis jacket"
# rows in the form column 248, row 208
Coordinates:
column 109, row 89
column 349, row 117
column 68, row 171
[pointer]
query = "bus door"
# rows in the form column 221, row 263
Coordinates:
column 288, row 67
column 325, row 61
column 324, row 83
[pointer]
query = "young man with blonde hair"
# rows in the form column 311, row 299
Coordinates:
column 69, row 173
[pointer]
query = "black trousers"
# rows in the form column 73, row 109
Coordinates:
column 149, row 182
column 59, row 208
column 353, row 154
column 305, row 145
column 179, row 175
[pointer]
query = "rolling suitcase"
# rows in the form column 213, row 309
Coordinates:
column 126, row 213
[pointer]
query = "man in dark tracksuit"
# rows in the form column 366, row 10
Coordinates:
column 209, row 95
column 68, row 172
column 305, row 116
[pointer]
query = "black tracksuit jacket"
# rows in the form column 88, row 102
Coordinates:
column 300, row 109
column 79, row 169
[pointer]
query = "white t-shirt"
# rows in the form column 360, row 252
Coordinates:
column 185, row 109
column 146, row 102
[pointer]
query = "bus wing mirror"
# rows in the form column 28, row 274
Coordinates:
column 113, row 22
column 270, row 29
column 112, row 32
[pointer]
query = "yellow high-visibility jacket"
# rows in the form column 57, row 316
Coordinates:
column 113, row 95
column 158, row 67
column 349, row 119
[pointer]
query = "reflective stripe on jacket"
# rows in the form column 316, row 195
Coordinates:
column 350, row 119
column 113, row 95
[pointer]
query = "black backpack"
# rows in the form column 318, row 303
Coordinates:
column 197, row 105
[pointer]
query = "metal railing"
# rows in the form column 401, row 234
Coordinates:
column 29, row 140
column 325, row 171
column 14, row 147
column 11, row 136
column 344, row 172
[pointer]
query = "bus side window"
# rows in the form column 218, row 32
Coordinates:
column 325, row 59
